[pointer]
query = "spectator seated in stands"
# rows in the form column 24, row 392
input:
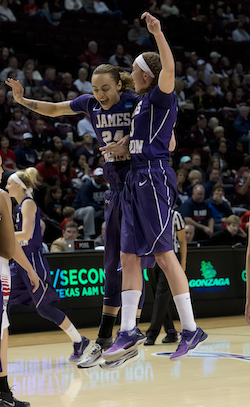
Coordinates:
column 41, row 137
column 29, row 83
column 84, row 126
column 185, row 163
column 169, row 9
column 242, row 126
column 83, row 86
column 138, row 34
column 198, row 133
column 219, row 135
column 196, row 164
column 6, row 14
column 47, row 170
column 211, row 67
column 91, row 58
column 30, row 65
column 16, row 127
column 70, row 232
column 8, row 155
column 66, row 132
column 240, row 34
column 87, row 149
column 49, row 83
column 5, row 113
column 181, row 179
column 194, row 177
column 89, row 203
column 120, row 59
column 196, row 212
column 25, row 155
column 219, row 206
column 67, row 84
column 4, row 57
column 231, row 235
column 182, row 102
column 242, row 187
column 214, row 177
column 82, row 169
column 68, row 215
column 32, row 10
column 189, row 233
column 54, row 205
column 13, row 66
column 102, row 8
column 99, row 240
column 66, row 172
column 58, row 148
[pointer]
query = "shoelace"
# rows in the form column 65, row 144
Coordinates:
column 183, row 335
column 95, row 348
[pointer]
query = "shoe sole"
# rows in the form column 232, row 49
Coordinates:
column 121, row 352
column 95, row 363
column 191, row 350
column 126, row 362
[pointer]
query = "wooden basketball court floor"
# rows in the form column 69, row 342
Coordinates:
column 217, row 375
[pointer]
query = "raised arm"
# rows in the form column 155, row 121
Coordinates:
column 167, row 75
column 45, row 108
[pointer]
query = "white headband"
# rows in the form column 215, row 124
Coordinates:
column 143, row 65
column 28, row 191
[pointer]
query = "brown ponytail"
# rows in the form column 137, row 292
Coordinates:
column 154, row 63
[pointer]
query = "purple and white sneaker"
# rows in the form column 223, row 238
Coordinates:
column 124, row 343
column 189, row 342
column 79, row 348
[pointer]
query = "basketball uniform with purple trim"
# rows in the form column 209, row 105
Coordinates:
column 151, row 189
column 21, row 288
column 111, row 125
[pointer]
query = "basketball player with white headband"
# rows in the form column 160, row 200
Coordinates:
column 20, row 186
column 149, row 195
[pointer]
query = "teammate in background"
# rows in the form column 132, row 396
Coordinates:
column 20, row 186
column 13, row 249
column 161, row 314
column 110, row 114
column 149, row 195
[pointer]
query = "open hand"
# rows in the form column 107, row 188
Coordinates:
column 17, row 89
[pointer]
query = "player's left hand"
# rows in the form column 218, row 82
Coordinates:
column 114, row 150
column 247, row 311
column 34, row 280
column 153, row 24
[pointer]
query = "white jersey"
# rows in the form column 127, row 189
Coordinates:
column 178, row 224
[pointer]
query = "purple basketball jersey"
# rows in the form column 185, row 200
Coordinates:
column 109, row 125
column 35, row 242
column 151, row 128
column 150, row 190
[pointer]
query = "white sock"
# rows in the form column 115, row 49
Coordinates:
column 130, row 301
column 73, row 333
column 185, row 311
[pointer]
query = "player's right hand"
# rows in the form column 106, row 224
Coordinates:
column 17, row 89
column 34, row 280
